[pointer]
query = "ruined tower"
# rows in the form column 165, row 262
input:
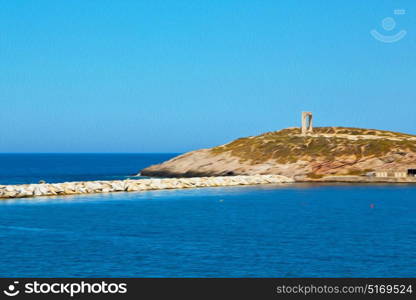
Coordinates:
column 306, row 122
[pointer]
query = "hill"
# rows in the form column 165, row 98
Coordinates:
column 326, row 151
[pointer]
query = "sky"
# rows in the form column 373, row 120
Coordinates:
column 174, row 76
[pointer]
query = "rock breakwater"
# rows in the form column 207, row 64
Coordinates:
column 136, row 185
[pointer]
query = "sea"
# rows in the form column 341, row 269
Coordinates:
column 289, row 230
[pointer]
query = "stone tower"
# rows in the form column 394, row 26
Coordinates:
column 306, row 122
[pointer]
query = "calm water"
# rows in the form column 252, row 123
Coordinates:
column 259, row 231
column 31, row 168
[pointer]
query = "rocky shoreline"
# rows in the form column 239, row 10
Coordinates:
column 137, row 185
column 359, row 179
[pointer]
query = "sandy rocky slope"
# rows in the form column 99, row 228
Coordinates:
column 327, row 151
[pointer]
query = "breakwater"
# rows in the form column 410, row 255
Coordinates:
column 133, row 185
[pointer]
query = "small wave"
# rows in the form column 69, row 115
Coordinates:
column 22, row 228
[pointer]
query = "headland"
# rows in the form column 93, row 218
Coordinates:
column 304, row 154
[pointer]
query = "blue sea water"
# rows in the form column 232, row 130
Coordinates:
column 300, row 230
column 31, row 168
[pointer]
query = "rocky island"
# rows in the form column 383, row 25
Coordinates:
column 306, row 154
column 321, row 154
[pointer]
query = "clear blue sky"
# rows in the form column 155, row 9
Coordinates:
column 172, row 76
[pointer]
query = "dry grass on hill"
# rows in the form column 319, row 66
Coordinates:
column 288, row 146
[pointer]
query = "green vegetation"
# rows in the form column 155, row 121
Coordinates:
column 288, row 146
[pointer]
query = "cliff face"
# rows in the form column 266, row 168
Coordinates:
column 327, row 151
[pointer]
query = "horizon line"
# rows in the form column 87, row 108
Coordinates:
column 90, row 153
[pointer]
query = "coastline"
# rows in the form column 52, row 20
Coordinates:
column 360, row 179
column 138, row 185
